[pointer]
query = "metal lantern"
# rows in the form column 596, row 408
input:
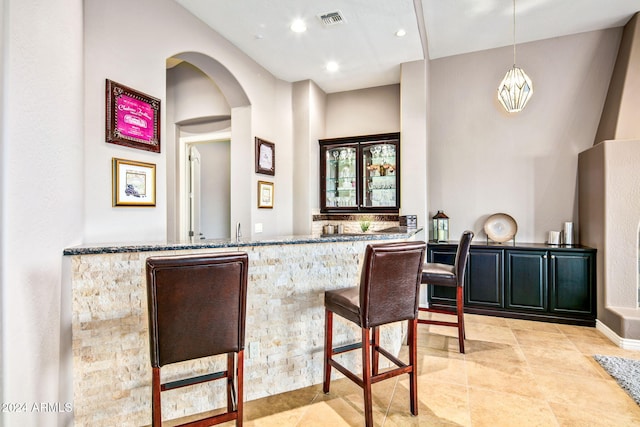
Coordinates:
column 440, row 227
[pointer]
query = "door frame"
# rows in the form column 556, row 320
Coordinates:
column 182, row 189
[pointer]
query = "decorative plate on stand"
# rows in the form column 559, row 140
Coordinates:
column 500, row 227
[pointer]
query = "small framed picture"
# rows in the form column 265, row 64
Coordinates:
column 133, row 118
column 134, row 183
column 265, row 157
column 265, row 194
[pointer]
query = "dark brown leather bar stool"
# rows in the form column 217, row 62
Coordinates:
column 197, row 308
column 452, row 276
column 388, row 292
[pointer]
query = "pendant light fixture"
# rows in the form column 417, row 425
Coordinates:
column 516, row 88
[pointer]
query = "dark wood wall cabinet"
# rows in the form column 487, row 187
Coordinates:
column 527, row 281
column 360, row 174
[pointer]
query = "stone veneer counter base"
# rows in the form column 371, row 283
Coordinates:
column 284, row 330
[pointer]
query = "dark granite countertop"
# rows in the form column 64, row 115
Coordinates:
column 110, row 248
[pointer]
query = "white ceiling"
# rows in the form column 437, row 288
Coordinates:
column 365, row 45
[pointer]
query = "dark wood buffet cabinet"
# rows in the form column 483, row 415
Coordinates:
column 526, row 281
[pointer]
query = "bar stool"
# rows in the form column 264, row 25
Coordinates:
column 388, row 292
column 197, row 308
column 451, row 276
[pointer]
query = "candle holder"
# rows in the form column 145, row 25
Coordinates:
column 440, row 227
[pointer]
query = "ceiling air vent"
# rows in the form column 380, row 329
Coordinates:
column 332, row 18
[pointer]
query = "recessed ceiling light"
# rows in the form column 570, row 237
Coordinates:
column 298, row 26
column 401, row 33
column 332, row 66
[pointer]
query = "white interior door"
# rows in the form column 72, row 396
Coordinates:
column 205, row 187
column 195, row 198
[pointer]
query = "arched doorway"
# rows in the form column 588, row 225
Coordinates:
column 205, row 102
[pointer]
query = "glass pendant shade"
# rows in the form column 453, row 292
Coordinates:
column 515, row 90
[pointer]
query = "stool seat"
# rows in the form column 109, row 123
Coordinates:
column 443, row 274
column 388, row 292
column 344, row 302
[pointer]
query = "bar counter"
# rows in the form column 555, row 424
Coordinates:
column 284, row 325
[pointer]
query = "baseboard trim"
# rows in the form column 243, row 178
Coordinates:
column 624, row 343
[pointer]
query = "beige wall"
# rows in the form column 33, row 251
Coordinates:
column 591, row 195
column 610, row 211
column 622, row 213
column 620, row 116
column 609, row 195
column 41, row 200
column 414, row 119
column 483, row 160
column 194, row 95
column 363, row 112
column 309, row 112
column 267, row 115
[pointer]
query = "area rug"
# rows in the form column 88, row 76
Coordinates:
column 625, row 371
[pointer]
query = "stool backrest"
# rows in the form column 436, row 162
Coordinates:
column 462, row 254
column 390, row 282
column 197, row 305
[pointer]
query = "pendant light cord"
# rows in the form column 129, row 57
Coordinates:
column 514, row 33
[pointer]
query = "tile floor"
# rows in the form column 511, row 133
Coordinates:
column 514, row 373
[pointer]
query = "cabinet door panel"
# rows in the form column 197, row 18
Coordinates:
column 526, row 280
column 483, row 282
column 571, row 283
column 338, row 177
column 442, row 255
column 379, row 179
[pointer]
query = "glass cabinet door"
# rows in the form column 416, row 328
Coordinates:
column 360, row 174
column 379, row 175
column 340, row 175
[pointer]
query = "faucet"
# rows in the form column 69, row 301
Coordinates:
column 238, row 232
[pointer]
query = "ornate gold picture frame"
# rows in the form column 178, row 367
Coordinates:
column 134, row 183
column 265, row 194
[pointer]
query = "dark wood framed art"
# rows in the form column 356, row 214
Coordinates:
column 133, row 118
column 265, row 157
